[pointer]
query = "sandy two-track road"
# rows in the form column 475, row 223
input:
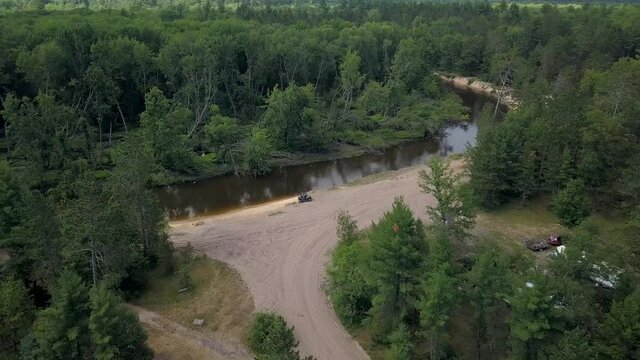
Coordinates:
column 280, row 250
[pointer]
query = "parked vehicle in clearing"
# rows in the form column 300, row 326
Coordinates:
column 536, row 245
column 558, row 251
column 604, row 275
column 302, row 198
column 555, row 240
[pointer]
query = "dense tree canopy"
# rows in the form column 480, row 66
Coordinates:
column 101, row 100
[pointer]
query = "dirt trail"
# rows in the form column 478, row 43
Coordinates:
column 281, row 252
column 213, row 345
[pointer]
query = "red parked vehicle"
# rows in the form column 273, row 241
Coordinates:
column 555, row 240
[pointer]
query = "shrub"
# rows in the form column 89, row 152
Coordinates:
column 184, row 280
column 571, row 204
column 271, row 338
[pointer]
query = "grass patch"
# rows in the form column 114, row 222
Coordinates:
column 510, row 225
column 617, row 242
column 168, row 347
column 374, row 350
column 218, row 296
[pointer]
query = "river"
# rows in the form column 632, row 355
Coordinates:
column 220, row 194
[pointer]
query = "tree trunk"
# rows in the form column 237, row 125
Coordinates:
column 93, row 264
column 6, row 136
column 141, row 219
column 315, row 87
column 233, row 105
column 124, row 122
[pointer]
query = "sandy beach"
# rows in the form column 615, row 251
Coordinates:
column 281, row 249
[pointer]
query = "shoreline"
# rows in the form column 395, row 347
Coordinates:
column 347, row 150
column 341, row 151
column 245, row 211
column 274, row 207
column 473, row 84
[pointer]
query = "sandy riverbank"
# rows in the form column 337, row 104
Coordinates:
column 480, row 87
column 281, row 248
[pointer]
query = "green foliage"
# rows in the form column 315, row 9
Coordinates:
column 621, row 330
column 494, row 163
column 222, row 133
column 294, row 119
column 94, row 245
column 134, row 171
column 271, row 338
column 79, row 131
column 347, row 228
column 574, row 345
column 454, row 201
column 571, row 204
column 397, row 258
column 42, row 65
column 348, row 289
column 487, row 283
column 627, row 187
column 61, row 330
column 165, row 127
column 408, row 65
column 582, row 132
column 46, row 136
column 11, row 194
column 16, row 316
column 374, row 100
column 184, row 279
column 166, row 259
column 115, row 330
column 35, row 242
column 446, row 110
column 531, row 318
column 436, row 304
column 256, row 152
column 83, row 323
column 351, row 80
column 400, row 344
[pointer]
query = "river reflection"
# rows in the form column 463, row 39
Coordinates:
column 224, row 193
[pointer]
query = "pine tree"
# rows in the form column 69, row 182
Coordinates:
column 454, row 207
column 398, row 251
column 621, row 329
column 115, row 331
column 531, row 315
column 436, row 304
column 571, row 204
column 16, row 315
column 60, row 331
column 349, row 291
column 574, row 345
column 400, row 344
column 486, row 282
column 271, row 338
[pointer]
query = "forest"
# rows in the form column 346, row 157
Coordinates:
column 102, row 102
